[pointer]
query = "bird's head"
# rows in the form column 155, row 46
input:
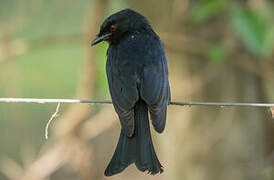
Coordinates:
column 116, row 26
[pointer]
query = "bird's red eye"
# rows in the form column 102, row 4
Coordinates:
column 113, row 28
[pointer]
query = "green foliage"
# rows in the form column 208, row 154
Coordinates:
column 254, row 28
column 256, row 35
column 205, row 10
column 217, row 53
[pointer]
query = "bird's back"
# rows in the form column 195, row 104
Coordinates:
column 135, row 51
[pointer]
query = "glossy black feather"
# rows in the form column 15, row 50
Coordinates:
column 138, row 148
column 137, row 66
column 137, row 74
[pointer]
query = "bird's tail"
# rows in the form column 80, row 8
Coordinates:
column 137, row 149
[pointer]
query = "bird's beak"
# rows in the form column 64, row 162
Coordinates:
column 99, row 39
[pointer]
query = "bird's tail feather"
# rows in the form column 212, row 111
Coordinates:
column 137, row 149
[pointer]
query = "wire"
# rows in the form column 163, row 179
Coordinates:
column 176, row 103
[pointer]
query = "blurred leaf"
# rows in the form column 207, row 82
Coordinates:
column 206, row 10
column 251, row 28
column 217, row 53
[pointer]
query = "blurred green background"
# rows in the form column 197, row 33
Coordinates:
column 218, row 50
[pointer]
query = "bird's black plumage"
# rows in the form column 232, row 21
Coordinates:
column 137, row 74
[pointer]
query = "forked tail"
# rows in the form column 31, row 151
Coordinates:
column 137, row 149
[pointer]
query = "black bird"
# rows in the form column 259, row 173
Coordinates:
column 137, row 75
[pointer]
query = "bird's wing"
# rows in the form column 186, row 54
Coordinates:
column 155, row 89
column 124, row 94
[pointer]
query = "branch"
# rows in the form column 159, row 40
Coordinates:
column 54, row 115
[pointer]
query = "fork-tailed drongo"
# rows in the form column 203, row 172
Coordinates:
column 137, row 75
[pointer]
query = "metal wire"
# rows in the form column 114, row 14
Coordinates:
column 176, row 103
